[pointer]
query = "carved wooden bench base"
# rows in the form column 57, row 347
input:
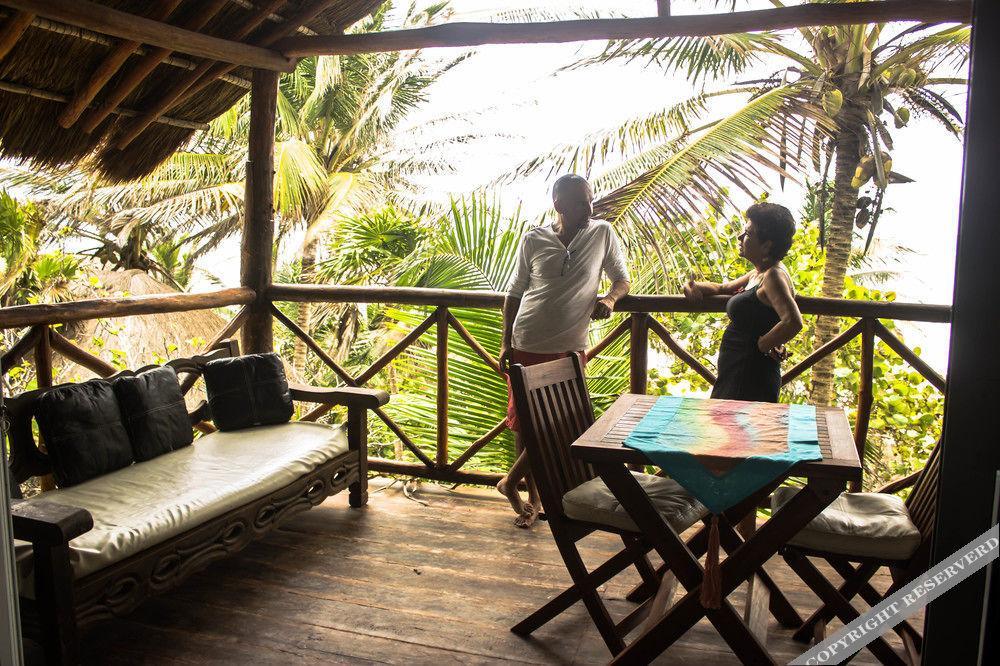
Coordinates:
column 118, row 589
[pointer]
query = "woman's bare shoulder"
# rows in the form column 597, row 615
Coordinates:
column 776, row 277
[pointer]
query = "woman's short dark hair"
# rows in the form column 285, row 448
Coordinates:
column 773, row 223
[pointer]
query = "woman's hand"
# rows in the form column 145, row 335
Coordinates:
column 693, row 292
column 778, row 353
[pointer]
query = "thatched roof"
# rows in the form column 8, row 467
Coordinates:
column 51, row 62
column 140, row 340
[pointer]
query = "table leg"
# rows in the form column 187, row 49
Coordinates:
column 735, row 569
column 689, row 573
column 777, row 602
column 758, row 597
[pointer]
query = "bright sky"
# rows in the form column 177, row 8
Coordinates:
column 515, row 94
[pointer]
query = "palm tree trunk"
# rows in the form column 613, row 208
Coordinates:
column 305, row 309
column 840, row 233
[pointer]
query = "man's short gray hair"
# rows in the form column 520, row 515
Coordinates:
column 565, row 181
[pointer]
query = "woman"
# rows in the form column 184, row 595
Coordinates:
column 762, row 311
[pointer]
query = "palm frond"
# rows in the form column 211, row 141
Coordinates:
column 697, row 58
column 732, row 152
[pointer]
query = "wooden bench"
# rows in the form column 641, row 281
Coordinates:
column 64, row 589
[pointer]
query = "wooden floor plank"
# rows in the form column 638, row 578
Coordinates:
column 440, row 581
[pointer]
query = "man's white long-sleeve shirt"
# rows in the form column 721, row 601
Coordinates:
column 558, row 285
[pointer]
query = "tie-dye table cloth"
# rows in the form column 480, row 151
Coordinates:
column 722, row 451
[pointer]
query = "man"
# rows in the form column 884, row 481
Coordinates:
column 552, row 298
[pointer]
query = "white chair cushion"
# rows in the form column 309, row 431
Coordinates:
column 594, row 502
column 857, row 524
column 149, row 502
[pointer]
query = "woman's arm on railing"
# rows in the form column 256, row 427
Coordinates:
column 696, row 291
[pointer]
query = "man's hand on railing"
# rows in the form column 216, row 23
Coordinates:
column 603, row 308
column 504, row 358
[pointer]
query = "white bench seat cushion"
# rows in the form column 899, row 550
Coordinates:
column 594, row 502
column 857, row 524
column 150, row 502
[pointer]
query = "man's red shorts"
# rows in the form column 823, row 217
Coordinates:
column 526, row 359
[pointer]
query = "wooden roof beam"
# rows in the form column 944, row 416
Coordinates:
column 58, row 28
column 18, row 89
column 102, row 18
column 142, row 69
column 274, row 17
column 109, row 66
column 12, row 31
column 198, row 79
column 249, row 25
column 551, row 32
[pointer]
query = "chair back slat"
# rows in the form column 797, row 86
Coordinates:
column 922, row 502
column 553, row 409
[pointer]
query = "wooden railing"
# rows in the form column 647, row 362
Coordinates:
column 637, row 327
column 41, row 341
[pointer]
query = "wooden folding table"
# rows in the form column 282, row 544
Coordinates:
column 602, row 445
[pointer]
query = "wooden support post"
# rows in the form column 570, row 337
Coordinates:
column 442, row 387
column 663, row 7
column 54, row 600
column 257, row 255
column 865, row 396
column 638, row 352
column 357, row 440
column 958, row 623
column 43, row 377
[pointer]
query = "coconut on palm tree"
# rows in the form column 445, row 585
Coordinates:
column 829, row 107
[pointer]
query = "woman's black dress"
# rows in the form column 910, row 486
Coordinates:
column 744, row 372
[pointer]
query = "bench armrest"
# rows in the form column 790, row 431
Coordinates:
column 49, row 523
column 345, row 395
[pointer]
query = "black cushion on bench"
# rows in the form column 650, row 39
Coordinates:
column 83, row 432
column 153, row 412
column 246, row 391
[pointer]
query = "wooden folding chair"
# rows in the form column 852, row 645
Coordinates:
column 871, row 531
column 554, row 409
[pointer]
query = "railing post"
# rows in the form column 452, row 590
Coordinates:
column 865, row 397
column 43, row 358
column 638, row 352
column 442, row 387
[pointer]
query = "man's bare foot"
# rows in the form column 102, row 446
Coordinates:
column 528, row 518
column 512, row 496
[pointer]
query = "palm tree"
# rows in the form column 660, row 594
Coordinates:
column 828, row 104
column 193, row 201
column 337, row 124
column 27, row 274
